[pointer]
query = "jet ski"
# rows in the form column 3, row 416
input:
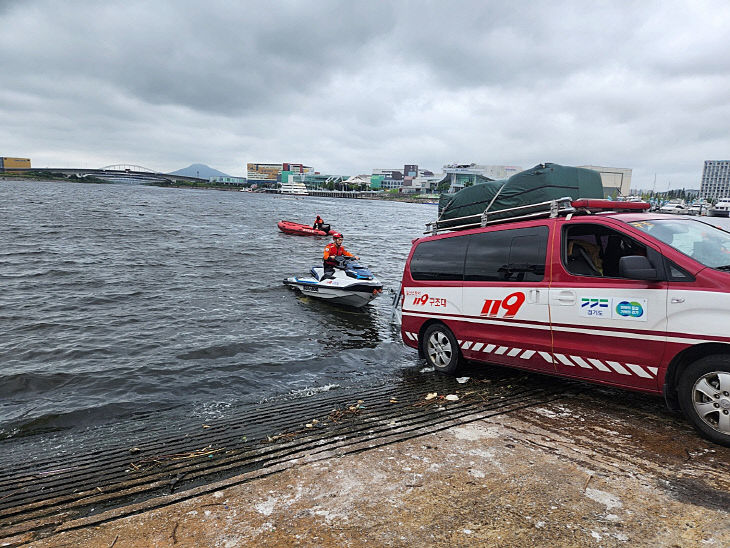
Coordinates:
column 351, row 284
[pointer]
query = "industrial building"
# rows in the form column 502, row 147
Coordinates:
column 14, row 163
column 715, row 180
column 616, row 180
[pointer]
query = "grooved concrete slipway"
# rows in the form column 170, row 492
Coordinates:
column 500, row 458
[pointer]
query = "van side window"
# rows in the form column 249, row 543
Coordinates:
column 595, row 250
column 439, row 259
column 516, row 255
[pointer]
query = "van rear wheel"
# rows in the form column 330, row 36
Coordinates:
column 704, row 396
column 440, row 348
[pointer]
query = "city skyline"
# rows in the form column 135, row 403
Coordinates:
column 348, row 88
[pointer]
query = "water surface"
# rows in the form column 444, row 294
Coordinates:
column 120, row 302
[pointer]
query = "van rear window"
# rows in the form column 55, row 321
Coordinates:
column 515, row 255
column 439, row 259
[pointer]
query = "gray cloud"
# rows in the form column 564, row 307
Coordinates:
column 347, row 87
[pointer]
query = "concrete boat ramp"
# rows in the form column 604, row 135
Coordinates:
column 495, row 458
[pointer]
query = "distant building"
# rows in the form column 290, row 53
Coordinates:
column 359, row 181
column 14, row 163
column 389, row 179
column 270, row 174
column 315, row 180
column 238, row 181
column 616, row 180
column 462, row 175
column 715, row 180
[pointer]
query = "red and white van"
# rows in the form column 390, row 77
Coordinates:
column 624, row 298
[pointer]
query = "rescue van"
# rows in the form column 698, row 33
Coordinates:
column 594, row 290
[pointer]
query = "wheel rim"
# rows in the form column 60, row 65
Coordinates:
column 711, row 400
column 439, row 349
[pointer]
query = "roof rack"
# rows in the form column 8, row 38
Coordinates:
column 550, row 208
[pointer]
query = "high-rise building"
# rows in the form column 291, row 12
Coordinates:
column 715, row 180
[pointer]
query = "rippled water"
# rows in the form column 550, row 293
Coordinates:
column 119, row 300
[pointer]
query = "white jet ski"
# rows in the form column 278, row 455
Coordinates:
column 351, row 284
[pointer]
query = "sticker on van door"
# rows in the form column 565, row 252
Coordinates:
column 618, row 308
column 594, row 307
column 505, row 308
column 630, row 309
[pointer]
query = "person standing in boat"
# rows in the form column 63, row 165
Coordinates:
column 332, row 250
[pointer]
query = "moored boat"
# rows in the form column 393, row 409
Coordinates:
column 675, row 207
column 721, row 208
column 293, row 187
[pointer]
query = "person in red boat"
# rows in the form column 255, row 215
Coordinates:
column 332, row 250
column 319, row 224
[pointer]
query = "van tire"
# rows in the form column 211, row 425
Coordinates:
column 704, row 396
column 440, row 348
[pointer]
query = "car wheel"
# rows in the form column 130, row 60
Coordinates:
column 704, row 395
column 441, row 349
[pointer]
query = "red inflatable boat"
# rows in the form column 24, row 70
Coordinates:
column 287, row 227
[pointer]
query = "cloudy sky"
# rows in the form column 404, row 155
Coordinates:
column 347, row 86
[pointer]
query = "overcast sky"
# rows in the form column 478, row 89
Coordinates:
column 346, row 87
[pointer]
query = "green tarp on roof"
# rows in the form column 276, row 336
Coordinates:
column 539, row 184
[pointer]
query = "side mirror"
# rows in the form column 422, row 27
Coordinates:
column 636, row 267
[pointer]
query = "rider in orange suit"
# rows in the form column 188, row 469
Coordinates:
column 332, row 250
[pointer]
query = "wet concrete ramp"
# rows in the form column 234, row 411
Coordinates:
column 609, row 432
column 163, row 467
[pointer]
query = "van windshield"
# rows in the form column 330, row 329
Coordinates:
column 703, row 242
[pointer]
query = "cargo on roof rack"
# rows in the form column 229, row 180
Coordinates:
column 539, row 184
column 549, row 208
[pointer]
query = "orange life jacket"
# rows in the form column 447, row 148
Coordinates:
column 333, row 250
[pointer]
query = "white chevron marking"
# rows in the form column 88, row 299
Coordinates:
column 639, row 370
column 618, row 368
column 565, row 360
column 599, row 365
column 580, row 361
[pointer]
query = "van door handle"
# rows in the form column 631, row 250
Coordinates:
column 566, row 297
column 677, row 300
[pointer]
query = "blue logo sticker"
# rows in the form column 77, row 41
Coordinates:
column 630, row 309
column 590, row 302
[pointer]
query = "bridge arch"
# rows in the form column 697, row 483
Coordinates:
column 129, row 167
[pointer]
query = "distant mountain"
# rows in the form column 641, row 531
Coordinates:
column 199, row 170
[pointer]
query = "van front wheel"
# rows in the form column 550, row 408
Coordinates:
column 704, row 395
column 440, row 348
